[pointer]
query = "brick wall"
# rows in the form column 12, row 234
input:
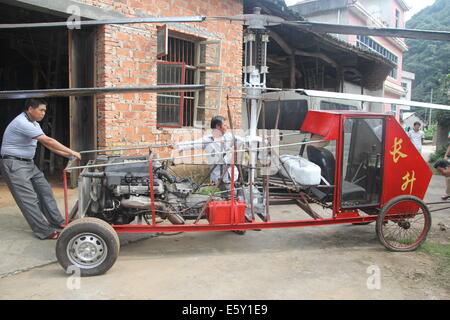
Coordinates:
column 126, row 56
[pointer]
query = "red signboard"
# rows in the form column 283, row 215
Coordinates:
column 405, row 170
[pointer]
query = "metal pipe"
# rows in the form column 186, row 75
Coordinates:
column 152, row 193
column 127, row 148
column 70, row 92
column 439, row 209
column 241, row 226
column 441, row 202
column 321, row 27
column 266, row 189
column 182, row 157
column 67, row 23
column 66, row 92
column 233, row 218
column 66, row 204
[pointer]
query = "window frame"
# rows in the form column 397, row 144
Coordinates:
column 181, row 105
column 343, row 163
column 368, row 43
column 196, row 123
column 198, row 68
column 203, row 67
column 162, row 32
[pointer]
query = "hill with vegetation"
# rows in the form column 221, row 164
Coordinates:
column 429, row 60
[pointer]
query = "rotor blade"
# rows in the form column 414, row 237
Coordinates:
column 24, row 94
column 227, row 18
column 370, row 31
column 358, row 97
column 74, row 24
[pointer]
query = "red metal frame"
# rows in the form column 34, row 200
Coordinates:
column 338, row 168
column 340, row 215
column 401, row 158
column 240, row 226
column 66, row 200
column 66, row 193
column 337, row 209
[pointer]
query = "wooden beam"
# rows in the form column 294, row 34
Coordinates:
column 319, row 55
column 280, row 41
column 289, row 51
column 292, row 71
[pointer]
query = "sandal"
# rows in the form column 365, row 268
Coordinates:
column 53, row 236
column 445, row 197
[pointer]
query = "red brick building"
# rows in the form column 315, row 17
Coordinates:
column 143, row 54
column 126, row 55
column 123, row 55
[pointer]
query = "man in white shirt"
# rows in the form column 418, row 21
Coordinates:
column 416, row 135
column 218, row 144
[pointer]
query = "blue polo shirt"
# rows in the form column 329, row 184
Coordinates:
column 19, row 137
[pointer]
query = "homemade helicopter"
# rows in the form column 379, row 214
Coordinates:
column 351, row 156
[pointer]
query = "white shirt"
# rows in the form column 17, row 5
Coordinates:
column 220, row 156
column 416, row 138
column 219, row 149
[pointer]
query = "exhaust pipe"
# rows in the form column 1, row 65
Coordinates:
column 143, row 203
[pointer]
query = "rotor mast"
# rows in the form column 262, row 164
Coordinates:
column 254, row 72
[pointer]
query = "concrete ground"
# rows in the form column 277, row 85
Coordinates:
column 328, row 262
column 20, row 250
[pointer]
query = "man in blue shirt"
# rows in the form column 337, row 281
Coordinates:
column 27, row 183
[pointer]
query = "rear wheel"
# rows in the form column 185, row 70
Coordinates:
column 403, row 224
column 89, row 245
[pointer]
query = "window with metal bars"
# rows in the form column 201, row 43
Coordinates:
column 182, row 61
column 368, row 43
column 176, row 109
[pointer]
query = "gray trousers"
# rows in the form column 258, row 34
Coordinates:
column 33, row 195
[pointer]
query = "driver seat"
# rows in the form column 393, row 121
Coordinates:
column 324, row 158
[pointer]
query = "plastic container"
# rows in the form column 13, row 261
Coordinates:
column 302, row 171
column 219, row 212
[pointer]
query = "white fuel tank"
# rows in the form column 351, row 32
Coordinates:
column 303, row 172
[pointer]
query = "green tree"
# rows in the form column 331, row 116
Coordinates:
column 443, row 116
column 429, row 60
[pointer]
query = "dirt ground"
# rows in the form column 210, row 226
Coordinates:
column 308, row 263
column 329, row 262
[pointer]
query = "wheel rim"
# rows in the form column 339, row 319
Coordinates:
column 87, row 250
column 405, row 225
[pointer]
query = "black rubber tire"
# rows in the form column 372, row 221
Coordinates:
column 389, row 205
column 240, row 232
column 99, row 229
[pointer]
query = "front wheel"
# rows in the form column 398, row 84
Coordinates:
column 403, row 223
column 89, row 245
